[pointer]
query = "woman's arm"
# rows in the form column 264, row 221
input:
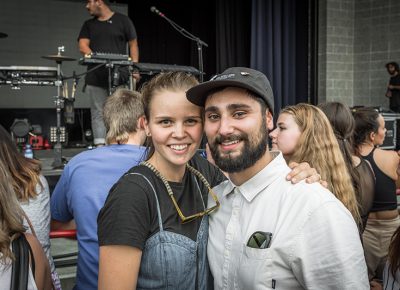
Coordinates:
column 42, row 268
column 119, row 267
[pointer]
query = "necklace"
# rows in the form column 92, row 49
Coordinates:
column 185, row 219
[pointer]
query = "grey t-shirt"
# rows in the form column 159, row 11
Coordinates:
column 38, row 211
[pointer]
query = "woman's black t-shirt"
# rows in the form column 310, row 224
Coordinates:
column 129, row 216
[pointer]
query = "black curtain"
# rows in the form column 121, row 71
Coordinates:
column 273, row 36
column 233, row 31
column 160, row 43
column 279, row 47
column 223, row 24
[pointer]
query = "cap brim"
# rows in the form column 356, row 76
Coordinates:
column 198, row 94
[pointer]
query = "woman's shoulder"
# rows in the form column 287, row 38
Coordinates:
column 387, row 161
column 135, row 180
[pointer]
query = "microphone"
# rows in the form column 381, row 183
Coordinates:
column 156, row 11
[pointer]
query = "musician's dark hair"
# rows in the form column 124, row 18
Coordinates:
column 395, row 64
column 107, row 2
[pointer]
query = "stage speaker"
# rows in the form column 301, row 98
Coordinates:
column 391, row 132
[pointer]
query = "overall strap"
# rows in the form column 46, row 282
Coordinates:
column 155, row 194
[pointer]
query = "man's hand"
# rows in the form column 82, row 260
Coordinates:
column 136, row 76
column 304, row 171
column 375, row 285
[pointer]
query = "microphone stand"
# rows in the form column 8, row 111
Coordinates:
column 200, row 43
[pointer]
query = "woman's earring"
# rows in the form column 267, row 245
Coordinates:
column 148, row 134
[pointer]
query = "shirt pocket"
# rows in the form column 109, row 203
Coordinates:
column 255, row 269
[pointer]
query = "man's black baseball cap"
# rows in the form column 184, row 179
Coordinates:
column 240, row 77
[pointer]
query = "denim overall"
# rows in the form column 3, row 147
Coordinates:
column 174, row 261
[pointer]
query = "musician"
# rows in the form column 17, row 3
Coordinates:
column 106, row 32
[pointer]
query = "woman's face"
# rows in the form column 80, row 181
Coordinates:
column 286, row 135
column 175, row 126
column 379, row 136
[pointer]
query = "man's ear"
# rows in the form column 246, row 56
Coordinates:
column 141, row 123
column 269, row 119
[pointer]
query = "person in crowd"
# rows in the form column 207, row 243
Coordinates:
column 383, row 219
column 11, row 230
column 393, row 88
column 393, row 92
column 269, row 233
column 84, row 184
column 391, row 274
column 153, row 228
column 303, row 132
column 362, row 176
column 32, row 191
column 106, row 32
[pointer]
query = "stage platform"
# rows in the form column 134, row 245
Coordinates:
column 47, row 157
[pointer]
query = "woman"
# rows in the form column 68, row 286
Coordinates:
column 153, row 228
column 11, row 228
column 303, row 133
column 383, row 219
column 362, row 176
column 32, row 192
column 391, row 274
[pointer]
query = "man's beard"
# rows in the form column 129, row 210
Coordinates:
column 249, row 155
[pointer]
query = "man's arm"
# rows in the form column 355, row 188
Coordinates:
column 84, row 47
column 57, row 225
column 62, row 218
column 134, row 50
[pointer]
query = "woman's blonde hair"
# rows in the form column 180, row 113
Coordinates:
column 319, row 147
column 11, row 221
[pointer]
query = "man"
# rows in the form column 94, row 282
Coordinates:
column 393, row 89
column 88, row 177
column 393, row 93
column 269, row 233
column 106, row 32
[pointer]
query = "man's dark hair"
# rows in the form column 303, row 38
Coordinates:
column 395, row 64
column 107, row 2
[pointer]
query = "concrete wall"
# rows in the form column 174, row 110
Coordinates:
column 37, row 28
column 336, row 50
column 356, row 39
column 377, row 42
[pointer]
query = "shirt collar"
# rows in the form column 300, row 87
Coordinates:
column 252, row 187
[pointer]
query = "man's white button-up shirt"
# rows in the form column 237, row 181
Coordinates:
column 315, row 241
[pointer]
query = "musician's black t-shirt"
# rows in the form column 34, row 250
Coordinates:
column 109, row 36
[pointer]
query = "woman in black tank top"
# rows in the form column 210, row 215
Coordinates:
column 342, row 121
column 384, row 219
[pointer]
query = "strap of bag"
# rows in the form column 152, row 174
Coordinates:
column 20, row 266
